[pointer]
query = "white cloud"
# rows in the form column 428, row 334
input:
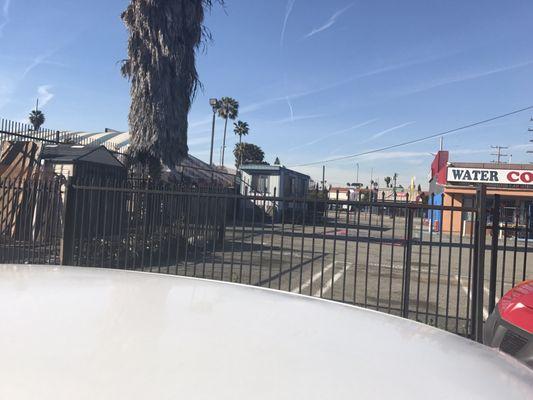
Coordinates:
column 465, row 77
column 4, row 20
column 6, row 90
column 294, row 118
column 44, row 95
column 384, row 132
column 330, row 22
column 206, row 120
column 268, row 102
column 335, row 133
column 40, row 59
column 199, row 140
column 288, row 11
column 290, row 107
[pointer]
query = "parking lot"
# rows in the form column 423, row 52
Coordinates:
column 358, row 258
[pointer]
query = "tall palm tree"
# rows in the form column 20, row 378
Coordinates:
column 161, row 66
column 228, row 108
column 37, row 119
column 242, row 129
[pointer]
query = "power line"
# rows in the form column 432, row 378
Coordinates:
column 416, row 140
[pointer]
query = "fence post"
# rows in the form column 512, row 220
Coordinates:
column 478, row 273
column 67, row 235
column 407, row 264
column 494, row 252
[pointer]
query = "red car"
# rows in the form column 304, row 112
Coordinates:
column 510, row 326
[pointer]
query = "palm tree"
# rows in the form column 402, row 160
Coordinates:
column 242, row 129
column 36, row 119
column 387, row 180
column 161, row 66
column 228, row 108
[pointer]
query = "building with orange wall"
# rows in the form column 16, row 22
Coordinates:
column 455, row 183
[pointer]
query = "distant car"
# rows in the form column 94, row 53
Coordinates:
column 510, row 326
column 83, row 333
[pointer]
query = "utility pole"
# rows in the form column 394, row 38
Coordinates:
column 498, row 153
column 214, row 104
column 323, row 177
column 530, row 130
column 357, row 174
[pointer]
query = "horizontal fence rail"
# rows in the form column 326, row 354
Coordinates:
column 18, row 131
column 384, row 255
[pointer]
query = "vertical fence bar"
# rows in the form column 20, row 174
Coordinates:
column 356, row 258
column 459, row 272
column 494, row 252
column 274, row 212
column 312, row 272
column 252, row 237
column 67, row 236
column 335, row 224
column 393, row 238
column 448, row 276
column 432, row 211
column 293, row 205
column 263, row 216
column 479, row 265
column 406, row 287
column 526, row 244
column 346, row 234
column 368, row 242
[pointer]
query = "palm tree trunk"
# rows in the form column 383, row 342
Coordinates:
column 240, row 152
column 163, row 41
column 224, row 142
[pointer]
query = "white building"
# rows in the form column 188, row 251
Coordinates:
column 289, row 187
column 270, row 180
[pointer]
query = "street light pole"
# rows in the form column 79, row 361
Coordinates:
column 213, row 103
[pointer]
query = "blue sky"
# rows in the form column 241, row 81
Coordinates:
column 315, row 79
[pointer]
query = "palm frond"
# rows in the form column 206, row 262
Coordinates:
column 37, row 119
column 228, row 108
column 241, row 128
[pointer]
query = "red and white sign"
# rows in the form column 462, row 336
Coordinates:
column 491, row 176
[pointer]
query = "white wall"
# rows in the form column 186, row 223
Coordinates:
column 273, row 183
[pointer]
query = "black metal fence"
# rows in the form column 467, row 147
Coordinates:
column 18, row 131
column 31, row 221
column 382, row 255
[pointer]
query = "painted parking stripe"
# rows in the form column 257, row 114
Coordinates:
column 485, row 289
column 328, row 284
column 316, row 277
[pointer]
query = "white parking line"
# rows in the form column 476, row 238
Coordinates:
column 307, row 283
column 315, row 278
column 328, row 284
column 485, row 289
